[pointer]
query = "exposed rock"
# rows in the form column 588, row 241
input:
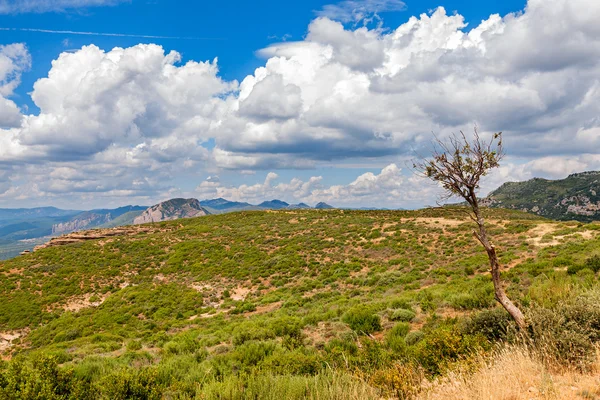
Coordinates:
column 170, row 210
column 81, row 222
column 92, row 235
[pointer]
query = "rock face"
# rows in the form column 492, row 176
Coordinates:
column 170, row 210
column 92, row 235
column 82, row 221
column 93, row 219
column 575, row 197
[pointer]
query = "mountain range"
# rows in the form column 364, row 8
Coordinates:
column 576, row 197
column 24, row 228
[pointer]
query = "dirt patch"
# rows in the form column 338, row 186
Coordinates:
column 265, row 309
column 537, row 233
column 438, row 222
column 86, row 301
column 6, row 339
column 239, row 293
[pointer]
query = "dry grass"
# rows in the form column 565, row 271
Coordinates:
column 514, row 374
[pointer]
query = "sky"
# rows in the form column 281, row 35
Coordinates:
column 105, row 103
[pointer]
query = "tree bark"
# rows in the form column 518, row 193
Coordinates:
column 499, row 292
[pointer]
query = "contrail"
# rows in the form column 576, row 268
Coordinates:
column 108, row 34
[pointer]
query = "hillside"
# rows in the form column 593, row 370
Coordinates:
column 324, row 301
column 576, row 197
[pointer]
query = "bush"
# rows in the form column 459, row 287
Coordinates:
column 414, row 337
column 402, row 315
column 565, row 335
column 493, row 324
column 395, row 337
column 140, row 384
column 42, row 379
column 362, row 320
column 593, row 263
column 446, row 345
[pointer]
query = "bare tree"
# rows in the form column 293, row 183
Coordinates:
column 459, row 164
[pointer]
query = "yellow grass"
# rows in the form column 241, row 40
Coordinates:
column 514, row 374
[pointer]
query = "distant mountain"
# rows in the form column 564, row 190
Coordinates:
column 94, row 219
column 34, row 213
column 221, row 205
column 323, row 206
column 299, row 206
column 575, row 197
column 170, row 210
column 124, row 219
column 274, row 204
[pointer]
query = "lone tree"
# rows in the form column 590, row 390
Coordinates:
column 459, row 164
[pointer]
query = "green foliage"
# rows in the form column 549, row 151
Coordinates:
column 402, row 315
column 593, row 263
column 494, row 324
column 362, row 320
column 227, row 305
column 41, row 379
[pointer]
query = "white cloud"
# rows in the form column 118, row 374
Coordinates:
column 359, row 10
column 14, row 60
column 42, row 6
column 136, row 120
column 389, row 188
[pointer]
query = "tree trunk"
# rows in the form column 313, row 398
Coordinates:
column 499, row 292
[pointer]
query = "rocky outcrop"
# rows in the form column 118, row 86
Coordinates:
column 93, row 235
column 82, row 221
column 170, row 210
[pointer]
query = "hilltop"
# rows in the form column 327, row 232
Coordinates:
column 288, row 299
column 170, row 210
column 576, row 197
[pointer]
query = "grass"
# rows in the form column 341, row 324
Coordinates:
column 305, row 302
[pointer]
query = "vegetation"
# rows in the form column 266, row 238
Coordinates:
column 459, row 166
column 574, row 198
column 328, row 304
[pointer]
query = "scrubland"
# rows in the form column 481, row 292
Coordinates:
column 319, row 304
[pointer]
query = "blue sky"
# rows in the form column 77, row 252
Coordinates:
column 309, row 101
column 233, row 33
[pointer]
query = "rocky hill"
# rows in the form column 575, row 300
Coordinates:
column 94, row 219
column 576, row 197
column 170, row 210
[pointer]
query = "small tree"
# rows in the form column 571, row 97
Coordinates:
column 459, row 164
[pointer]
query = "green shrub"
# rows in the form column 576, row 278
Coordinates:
column 493, row 324
column 140, row 384
column 402, row 315
column 567, row 333
column 42, row 379
column 414, row 337
column 446, row 345
column 362, row 320
column 593, row 263
column 134, row 345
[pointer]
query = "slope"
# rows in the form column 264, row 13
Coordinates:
column 334, row 298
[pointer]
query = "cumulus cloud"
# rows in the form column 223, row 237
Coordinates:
column 135, row 118
column 14, row 60
column 390, row 187
column 42, row 6
column 359, row 10
column 371, row 93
